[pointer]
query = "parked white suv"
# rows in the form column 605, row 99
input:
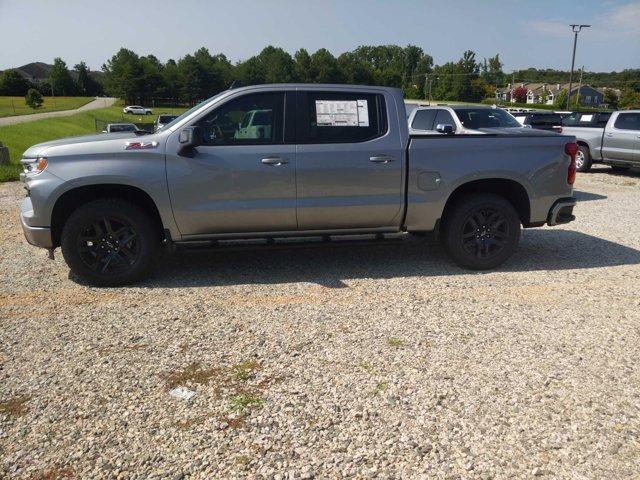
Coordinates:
column 137, row 110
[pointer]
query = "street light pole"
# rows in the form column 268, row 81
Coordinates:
column 576, row 29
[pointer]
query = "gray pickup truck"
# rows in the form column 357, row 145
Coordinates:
column 289, row 160
column 617, row 144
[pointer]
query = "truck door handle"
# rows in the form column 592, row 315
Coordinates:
column 274, row 161
column 609, row 134
column 381, row 159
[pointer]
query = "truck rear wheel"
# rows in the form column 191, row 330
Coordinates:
column 583, row 159
column 109, row 242
column 481, row 231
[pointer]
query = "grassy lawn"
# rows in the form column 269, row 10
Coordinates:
column 10, row 106
column 21, row 136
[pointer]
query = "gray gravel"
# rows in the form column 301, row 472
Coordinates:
column 367, row 362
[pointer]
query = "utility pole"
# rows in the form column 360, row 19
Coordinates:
column 579, row 87
column 576, row 29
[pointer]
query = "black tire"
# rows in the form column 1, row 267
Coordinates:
column 480, row 231
column 620, row 169
column 583, row 159
column 109, row 242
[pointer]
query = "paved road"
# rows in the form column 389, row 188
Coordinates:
column 97, row 103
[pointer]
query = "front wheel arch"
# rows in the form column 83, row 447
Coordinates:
column 75, row 198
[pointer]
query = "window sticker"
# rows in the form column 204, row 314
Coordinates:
column 342, row 113
column 586, row 118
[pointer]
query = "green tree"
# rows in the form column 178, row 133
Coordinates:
column 278, row 65
column 13, row 83
column 629, row 98
column 60, row 79
column 85, row 84
column 560, row 100
column 324, row 67
column 610, row 98
column 124, row 75
column 302, row 66
column 33, row 98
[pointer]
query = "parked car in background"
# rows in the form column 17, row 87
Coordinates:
column 549, row 121
column 590, row 119
column 120, row 127
column 459, row 120
column 321, row 160
column 617, row 144
column 163, row 119
column 137, row 110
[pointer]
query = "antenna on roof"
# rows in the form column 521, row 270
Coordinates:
column 235, row 84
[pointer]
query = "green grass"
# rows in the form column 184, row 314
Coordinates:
column 10, row 106
column 23, row 135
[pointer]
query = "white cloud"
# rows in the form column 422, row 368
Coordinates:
column 620, row 21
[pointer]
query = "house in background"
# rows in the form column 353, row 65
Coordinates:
column 544, row 93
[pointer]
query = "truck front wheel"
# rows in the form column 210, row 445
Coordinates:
column 109, row 242
column 481, row 231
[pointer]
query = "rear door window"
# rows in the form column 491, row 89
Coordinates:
column 336, row 117
column 423, row 119
column 628, row 121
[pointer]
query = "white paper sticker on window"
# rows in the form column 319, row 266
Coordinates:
column 342, row 113
column 586, row 118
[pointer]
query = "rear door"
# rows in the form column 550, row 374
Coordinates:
column 350, row 161
column 621, row 140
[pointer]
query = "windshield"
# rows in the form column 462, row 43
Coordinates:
column 475, row 118
column 179, row 118
column 166, row 118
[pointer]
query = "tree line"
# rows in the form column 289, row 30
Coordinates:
column 142, row 78
column 60, row 81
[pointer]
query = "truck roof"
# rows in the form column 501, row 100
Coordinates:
column 314, row 86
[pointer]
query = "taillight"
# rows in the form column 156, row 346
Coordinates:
column 571, row 149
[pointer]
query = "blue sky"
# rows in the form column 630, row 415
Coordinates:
column 525, row 33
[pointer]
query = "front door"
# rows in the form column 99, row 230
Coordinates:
column 242, row 177
column 349, row 162
column 621, row 142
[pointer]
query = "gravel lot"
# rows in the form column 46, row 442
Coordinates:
column 363, row 362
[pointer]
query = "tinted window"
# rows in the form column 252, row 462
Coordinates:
column 123, row 128
column 628, row 121
column 545, row 120
column 166, row 118
column 249, row 120
column 444, row 118
column 485, row 118
column 334, row 117
column 423, row 119
column 603, row 118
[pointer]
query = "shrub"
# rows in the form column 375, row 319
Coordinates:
column 33, row 98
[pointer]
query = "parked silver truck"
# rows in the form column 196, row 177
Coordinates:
column 617, row 144
column 328, row 160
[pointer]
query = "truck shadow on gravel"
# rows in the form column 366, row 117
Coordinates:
column 329, row 266
column 587, row 196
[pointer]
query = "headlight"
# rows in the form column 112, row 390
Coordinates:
column 34, row 165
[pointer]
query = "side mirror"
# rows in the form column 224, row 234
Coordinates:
column 189, row 139
column 445, row 128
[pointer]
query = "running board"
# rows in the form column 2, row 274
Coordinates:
column 296, row 242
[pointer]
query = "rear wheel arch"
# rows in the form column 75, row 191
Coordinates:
column 512, row 191
column 73, row 199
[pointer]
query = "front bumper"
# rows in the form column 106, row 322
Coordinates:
column 561, row 212
column 38, row 236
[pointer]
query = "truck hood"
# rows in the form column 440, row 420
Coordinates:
column 38, row 149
